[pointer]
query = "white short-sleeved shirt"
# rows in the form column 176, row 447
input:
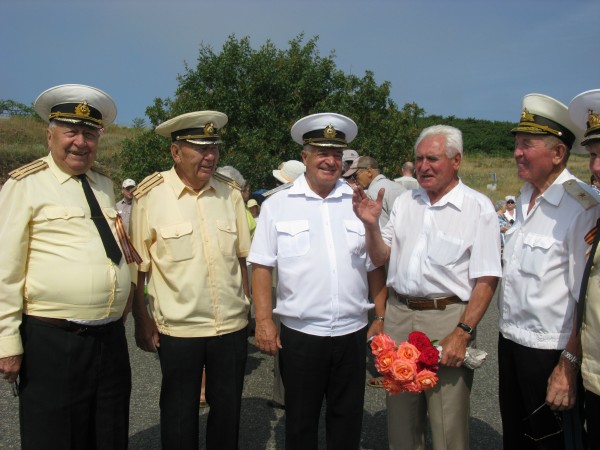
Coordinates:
column 544, row 258
column 440, row 250
column 318, row 247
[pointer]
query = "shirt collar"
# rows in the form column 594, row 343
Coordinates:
column 180, row 187
column 63, row 176
column 301, row 187
column 454, row 197
column 553, row 194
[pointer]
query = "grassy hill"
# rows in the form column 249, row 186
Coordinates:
column 24, row 139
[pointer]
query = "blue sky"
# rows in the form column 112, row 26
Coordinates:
column 464, row 58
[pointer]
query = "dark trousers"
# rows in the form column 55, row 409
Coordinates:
column 181, row 362
column 75, row 388
column 592, row 419
column 524, row 374
column 313, row 368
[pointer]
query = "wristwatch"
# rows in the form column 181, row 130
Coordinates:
column 466, row 328
column 574, row 360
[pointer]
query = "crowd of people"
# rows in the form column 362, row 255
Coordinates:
column 334, row 255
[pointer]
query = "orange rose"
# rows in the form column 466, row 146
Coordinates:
column 381, row 343
column 411, row 386
column 391, row 385
column 426, row 379
column 408, row 351
column 383, row 361
column 403, row 369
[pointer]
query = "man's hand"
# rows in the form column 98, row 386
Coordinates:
column 146, row 333
column 375, row 329
column 10, row 366
column 562, row 387
column 454, row 348
column 367, row 210
column 267, row 339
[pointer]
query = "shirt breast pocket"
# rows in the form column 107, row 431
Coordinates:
column 355, row 236
column 227, row 232
column 293, row 238
column 59, row 218
column 536, row 251
column 444, row 249
column 178, row 241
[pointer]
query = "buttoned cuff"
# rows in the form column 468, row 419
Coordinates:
column 10, row 345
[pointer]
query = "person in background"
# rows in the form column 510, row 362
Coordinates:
column 66, row 283
column 190, row 226
column 407, row 179
column 310, row 234
column 288, row 171
column 443, row 248
column 584, row 111
column 254, row 208
column 123, row 206
column 348, row 157
column 543, row 260
column 509, row 210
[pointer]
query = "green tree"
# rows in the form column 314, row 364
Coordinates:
column 10, row 108
column 264, row 92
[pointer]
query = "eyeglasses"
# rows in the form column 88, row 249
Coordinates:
column 543, row 423
column 510, row 201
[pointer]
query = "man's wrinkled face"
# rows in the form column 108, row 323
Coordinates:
column 594, row 150
column 323, row 166
column 195, row 164
column 436, row 172
column 73, row 147
column 534, row 158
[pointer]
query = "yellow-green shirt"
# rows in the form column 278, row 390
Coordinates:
column 52, row 261
column 190, row 244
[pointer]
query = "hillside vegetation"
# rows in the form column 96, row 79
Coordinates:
column 24, row 139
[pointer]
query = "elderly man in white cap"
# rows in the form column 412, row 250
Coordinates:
column 190, row 226
column 65, row 283
column 584, row 110
column 310, row 234
column 123, row 206
column 544, row 257
column 348, row 157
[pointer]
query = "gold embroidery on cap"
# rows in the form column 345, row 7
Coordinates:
column 82, row 109
column 593, row 120
column 329, row 132
column 209, row 128
column 526, row 116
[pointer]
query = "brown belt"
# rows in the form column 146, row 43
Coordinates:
column 70, row 326
column 425, row 303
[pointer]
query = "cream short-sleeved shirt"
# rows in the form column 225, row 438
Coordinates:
column 190, row 244
column 52, row 262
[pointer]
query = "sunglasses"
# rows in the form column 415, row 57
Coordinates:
column 510, row 201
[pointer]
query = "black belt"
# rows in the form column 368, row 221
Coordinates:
column 426, row 303
column 74, row 327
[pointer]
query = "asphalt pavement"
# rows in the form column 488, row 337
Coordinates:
column 263, row 427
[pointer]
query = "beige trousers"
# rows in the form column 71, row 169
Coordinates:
column 447, row 405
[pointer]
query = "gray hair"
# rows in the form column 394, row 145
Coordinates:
column 452, row 136
column 234, row 174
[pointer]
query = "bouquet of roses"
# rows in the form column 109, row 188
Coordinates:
column 410, row 366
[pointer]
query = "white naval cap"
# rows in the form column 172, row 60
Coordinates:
column 198, row 127
column 78, row 104
column 324, row 130
column 546, row 116
column 584, row 110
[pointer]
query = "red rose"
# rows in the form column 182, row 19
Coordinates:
column 429, row 356
column 419, row 340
